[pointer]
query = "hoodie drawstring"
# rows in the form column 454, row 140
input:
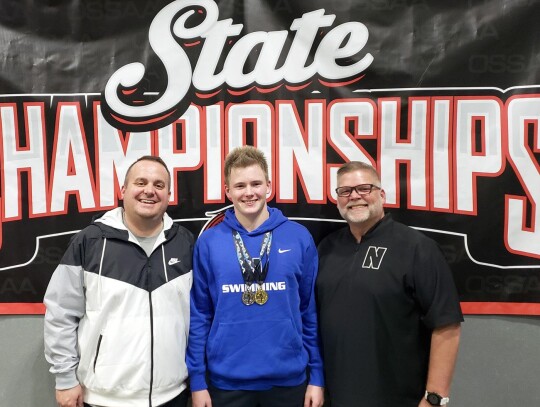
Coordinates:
column 164, row 264
column 100, row 268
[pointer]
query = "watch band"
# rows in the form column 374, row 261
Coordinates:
column 436, row 399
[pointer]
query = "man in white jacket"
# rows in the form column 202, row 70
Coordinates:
column 117, row 314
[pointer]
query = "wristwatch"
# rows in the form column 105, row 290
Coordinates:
column 436, row 399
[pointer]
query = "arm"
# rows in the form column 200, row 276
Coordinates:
column 439, row 300
column 65, row 306
column 201, row 310
column 310, row 327
column 442, row 359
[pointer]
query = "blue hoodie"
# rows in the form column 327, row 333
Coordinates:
column 254, row 347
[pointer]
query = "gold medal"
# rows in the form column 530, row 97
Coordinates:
column 248, row 298
column 261, row 296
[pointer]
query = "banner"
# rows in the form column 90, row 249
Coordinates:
column 442, row 97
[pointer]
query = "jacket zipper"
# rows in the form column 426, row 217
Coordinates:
column 97, row 351
column 151, row 347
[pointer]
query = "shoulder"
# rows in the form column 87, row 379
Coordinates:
column 410, row 239
column 293, row 230
column 390, row 228
column 184, row 234
column 293, row 226
column 336, row 237
column 91, row 231
column 217, row 232
column 82, row 245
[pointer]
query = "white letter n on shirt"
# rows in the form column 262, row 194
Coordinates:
column 374, row 256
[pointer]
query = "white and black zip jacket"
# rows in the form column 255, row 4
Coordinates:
column 117, row 320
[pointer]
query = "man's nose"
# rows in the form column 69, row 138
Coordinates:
column 148, row 189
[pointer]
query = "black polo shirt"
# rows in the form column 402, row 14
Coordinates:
column 379, row 301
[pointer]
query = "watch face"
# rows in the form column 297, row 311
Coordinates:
column 434, row 399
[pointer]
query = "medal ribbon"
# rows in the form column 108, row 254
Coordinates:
column 251, row 268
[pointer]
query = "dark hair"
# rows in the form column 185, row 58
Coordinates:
column 153, row 158
column 242, row 157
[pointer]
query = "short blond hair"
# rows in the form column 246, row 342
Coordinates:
column 242, row 157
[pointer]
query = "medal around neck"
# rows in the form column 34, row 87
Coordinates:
column 252, row 270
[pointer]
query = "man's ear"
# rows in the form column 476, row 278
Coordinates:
column 383, row 195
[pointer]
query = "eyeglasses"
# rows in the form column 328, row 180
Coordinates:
column 362, row 189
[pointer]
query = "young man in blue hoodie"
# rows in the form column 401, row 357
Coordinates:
column 253, row 331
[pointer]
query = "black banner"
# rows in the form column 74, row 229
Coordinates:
column 442, row 97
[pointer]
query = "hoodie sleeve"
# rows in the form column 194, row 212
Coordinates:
column 65, row 305
column 310, row 330
column 202, row 310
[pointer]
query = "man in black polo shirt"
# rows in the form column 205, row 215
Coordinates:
column 388, row 307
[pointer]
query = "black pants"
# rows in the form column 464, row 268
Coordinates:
column 275, row 397
column 178, row 401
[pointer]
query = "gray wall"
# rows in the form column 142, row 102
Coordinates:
column 498, row 364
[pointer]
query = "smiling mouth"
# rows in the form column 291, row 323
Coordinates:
column 357, row 206
column 146, row 201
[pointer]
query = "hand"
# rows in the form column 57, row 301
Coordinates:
column 201, row 398
column 70, row 397
column 424, row 403
column 314, row 396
